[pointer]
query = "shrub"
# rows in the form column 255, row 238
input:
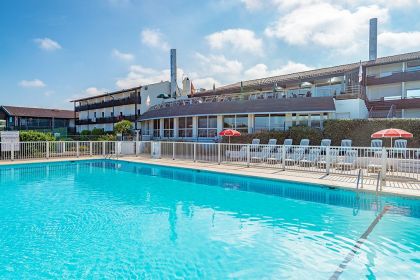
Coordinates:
column 106, row 137
column 298, row 133
column 32, row 136
column 97, row 131
column 123, row 127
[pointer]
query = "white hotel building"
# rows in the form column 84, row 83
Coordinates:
column 386, row 87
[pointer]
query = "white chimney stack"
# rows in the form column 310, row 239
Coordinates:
column 174, row 85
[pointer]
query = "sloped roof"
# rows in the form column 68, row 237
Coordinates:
column 38, row 112
column 304, row 75
column 286, row 105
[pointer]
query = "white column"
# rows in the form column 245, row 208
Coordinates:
column 176, row 127
column 219, row 124
column 195, row 127
column 250, row 123
column 161, row 133
column 288, row 120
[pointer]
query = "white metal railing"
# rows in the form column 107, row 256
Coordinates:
column 387, row 163
column 66, row 149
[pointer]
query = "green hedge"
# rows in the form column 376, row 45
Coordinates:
column 33, row 136
column 336, row 130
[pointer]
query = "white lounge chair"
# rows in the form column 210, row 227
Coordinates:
column 259, row 155
column 345, row 146
column 375, row 162
column 324, row 144
column 304, row 143
column 333, row 159
column 288, row 143
column 349, row 161
column 311, row 158
column 376, row 145
column 400, row 147
column 295, row 157
column 241, row 154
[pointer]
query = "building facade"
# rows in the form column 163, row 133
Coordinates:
column 38, row 119
column 387, row 87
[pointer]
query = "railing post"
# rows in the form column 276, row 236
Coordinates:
column 103, row 148
column 77, row 148
column 248, row 155
column 90, row 148
column 218, row 153
column 173, row 150
column 383, row 168
column 283, row 157
column 194, row 151
column 137, row 147
column 12, row 151
column 47, row 152
column 328, row 160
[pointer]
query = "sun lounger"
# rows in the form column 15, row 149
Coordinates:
column 265, row 151
column 295, row 157
column 349, row 161
column 333, row 159
column 376, row 145
column 375, row 162
column 345, row 146
column 400, row 148
column 311, row 158
column 324, row 144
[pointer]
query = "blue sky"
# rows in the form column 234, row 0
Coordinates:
column 53, row 51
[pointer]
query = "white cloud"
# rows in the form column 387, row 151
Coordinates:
column 326, row 25
column 36, row 83
column 122, row 56
column 206, row 83
column 47, row 44
column 253, row 4
column 219, row 65
column 262, row 71
column 243, row 40
column 400, row 41
column 154, row 38
column 92, row 91
column 139, row 75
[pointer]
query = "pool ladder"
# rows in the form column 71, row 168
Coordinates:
column 359, row 181
column 110, row 156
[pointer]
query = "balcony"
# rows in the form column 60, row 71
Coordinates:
column 393, row 77
column 104, row 120
column 398, row 103
column 133, row 99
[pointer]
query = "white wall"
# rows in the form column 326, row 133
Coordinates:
column 151, row 92
column 351, row 108
column 379, row 91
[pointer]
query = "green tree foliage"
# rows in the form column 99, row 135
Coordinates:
column 32, row 136
column 123, row 127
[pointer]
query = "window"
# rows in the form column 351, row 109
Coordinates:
column 168, row 127
column 207, row 126
column 316, row 121
column 277, row 122
column 261, row 123
column 138, row 112
column 185, row 127
column 156, row 128
column 103, row 114
column 121, row 114
column 413, row 93
column 238, row 122
column 94, row 115
column 112, row 114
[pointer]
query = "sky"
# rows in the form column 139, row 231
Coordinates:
column 54, row 51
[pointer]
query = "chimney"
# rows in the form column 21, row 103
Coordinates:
column 373, row 38
column 174, row 85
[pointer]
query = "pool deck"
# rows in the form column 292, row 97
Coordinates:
column 410, row 189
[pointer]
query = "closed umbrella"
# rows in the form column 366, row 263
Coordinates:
column 392, row 133
column 229, row 133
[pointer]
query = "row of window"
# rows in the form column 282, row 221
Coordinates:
column 95, row 115
column 207, row 125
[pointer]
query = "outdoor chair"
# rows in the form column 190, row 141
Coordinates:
column 304, row 143
column 349, row 161
column 288, row 143
column 263, row 154
column 276, row 155
column 345, row 146
column 400, row 148
column 295, row 157
column 375, row 162
column 376, row 145
column 333, row 159
column 272, row 142
column 311, row 158
column 324, row 144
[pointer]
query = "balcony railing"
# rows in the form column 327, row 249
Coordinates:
column 106, row 120
column 393, row 77
column 349, row 92
column 133, row 99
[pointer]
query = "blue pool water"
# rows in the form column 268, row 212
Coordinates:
column 110, row 219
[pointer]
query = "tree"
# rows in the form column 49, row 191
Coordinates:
column 123, row 127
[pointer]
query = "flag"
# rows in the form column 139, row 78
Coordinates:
column 192, row 89
column 148, row 101
column 360, row 73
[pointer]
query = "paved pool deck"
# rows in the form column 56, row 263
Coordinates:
column 409, row 189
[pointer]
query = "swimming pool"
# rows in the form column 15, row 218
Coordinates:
column 115, row 219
